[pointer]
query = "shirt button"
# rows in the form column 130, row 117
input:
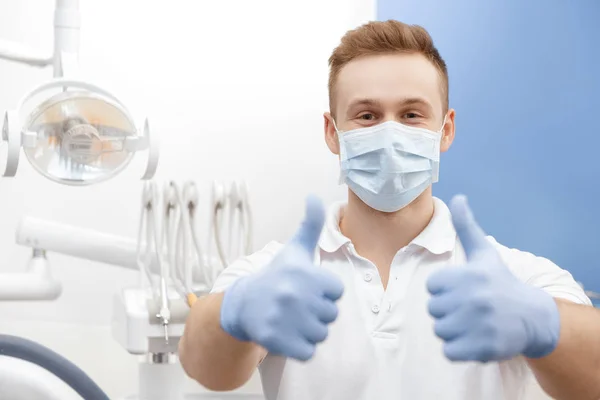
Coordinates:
column 375, row 309
column 368, row 277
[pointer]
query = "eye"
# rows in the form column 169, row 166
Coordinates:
column 367, row 117
column 411, row 115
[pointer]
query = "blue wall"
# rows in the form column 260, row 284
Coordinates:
column 525, row 81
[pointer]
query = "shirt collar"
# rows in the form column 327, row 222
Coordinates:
column 331, row 236
column 438, row 237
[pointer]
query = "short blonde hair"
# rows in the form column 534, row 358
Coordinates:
column 385, row 37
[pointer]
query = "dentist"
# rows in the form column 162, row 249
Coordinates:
column 393, row 295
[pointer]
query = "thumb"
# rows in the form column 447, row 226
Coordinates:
column 469, row 232
column 309, row 232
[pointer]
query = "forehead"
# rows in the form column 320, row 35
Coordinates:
column 389, row 78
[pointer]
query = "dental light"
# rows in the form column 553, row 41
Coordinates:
column 71, row 130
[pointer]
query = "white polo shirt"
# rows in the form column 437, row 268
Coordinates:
column 383, row 346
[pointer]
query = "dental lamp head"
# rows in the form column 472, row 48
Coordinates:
column 75, row 133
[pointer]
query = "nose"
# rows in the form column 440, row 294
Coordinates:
column 392, row 116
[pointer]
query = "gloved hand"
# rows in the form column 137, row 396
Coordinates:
column 287, row 306
column 482, row 311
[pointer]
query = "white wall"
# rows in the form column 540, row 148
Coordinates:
column 236, row 89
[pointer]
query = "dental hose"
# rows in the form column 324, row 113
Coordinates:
column 79, row 381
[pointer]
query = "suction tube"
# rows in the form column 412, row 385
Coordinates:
column 16, row 347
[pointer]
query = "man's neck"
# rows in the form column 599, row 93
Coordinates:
column 373, row 232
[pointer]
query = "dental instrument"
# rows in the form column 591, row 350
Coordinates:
column 234, row 217
column 191, row 256
column 148, row 224
column 150, row 221
column 239, row 221
column 232, row 221
column 189, row 201
column 219, row 205
column 247, row 219
column 174, row 235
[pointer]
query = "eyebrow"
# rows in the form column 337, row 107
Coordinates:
column 364, row 102
column 409, row 101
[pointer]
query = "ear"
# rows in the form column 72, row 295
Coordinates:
column 331, row 137
column 448, row 131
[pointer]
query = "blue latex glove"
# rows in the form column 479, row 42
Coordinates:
column 482, row 311
column 287, row 306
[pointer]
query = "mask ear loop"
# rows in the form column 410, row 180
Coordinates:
column 436, row 165
column 342, row 177
column 335, row 126
column 441, row 130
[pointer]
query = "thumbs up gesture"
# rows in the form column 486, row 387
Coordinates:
column 287, row 306
column 481, row 310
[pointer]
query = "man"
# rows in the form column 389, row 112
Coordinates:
column 431, row 308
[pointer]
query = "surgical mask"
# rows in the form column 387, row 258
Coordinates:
column 389, row 165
